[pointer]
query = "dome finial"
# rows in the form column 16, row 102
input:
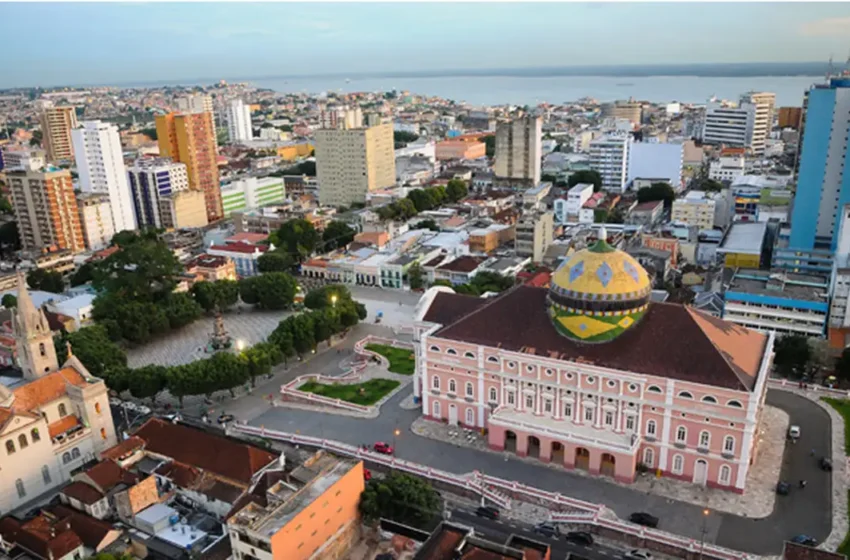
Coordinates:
column 603, row 234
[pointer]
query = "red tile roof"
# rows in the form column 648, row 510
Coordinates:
column 462, row 264
column 83, row 492
column 43, row 536
column 123, row 449
column 207, row 261
column 219, row 455
column 670, row 341
column 447, row 308
column 62, row 425
column 108, row 474
column 247, row 237
column 46, row 389
column 244, row 248
column 91, row 531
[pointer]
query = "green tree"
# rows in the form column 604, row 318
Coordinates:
column 842, row 366
column 708, row 185
column 181, row 309
column 216, row 296
column 149, row 132
column 93, row 347
column 260, row 359
column 147, row 382
column 275, row 261
column 657, row 191
column 403, row 137
column 415, row 276
column 9, row 301
column 456, row 190
column 791, row 355
column 329, row 295
column 337, row 234
column 83, row 275
column 586, row 176
column 6, row 206
column 9, row 238
column 428, row 224
column 421, row 200
column 489, row 145
column 46, row 280
column 298, row 238
column 273, row 290
column 144, row 268
column 402, row 498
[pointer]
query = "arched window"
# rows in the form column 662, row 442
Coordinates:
column 19, row 486
column 451, row 352
column 97, row 407
column 734, row 404
column 35, row 435
column 729, row 444
column 681, row 434
column 22, row 441
column 468, row 389
column 493, row 360
column 678, row 464
column 434, row 348
column 685, row 395
column 650, row 428
column 470, row 417
column 62, row 410
column 649, row 457
column 468, row 355
column 435, row 382
column 493, row 394
column 704, row 439
column 41, row 349
column 709, row 399
column 653, row 389
column 103, row 433
column 725, row 475
column 436, row 409
column 10, row 447
column 452, row 386
column 45, row 474
column 66, row 458
column 75, row 453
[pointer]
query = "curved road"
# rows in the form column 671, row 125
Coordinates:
column 807, row 511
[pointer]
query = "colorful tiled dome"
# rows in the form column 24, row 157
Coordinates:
column 598, row 293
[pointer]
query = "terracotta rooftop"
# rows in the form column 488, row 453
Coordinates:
column 670, row 341
column 245, row 248
column 205, row 260
column 46, row 389
column 108, row 474
column 247, row 237
column 219, row 455
column 90, row 530
column 43, row 536
column 83, row 492
column 62, row 425
column 124, row 448
column 462, row 264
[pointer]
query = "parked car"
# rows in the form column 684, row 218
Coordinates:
column 367, row 475
column 825, row 463
column 142, row 409
column 794, row 432
column 382, row 447
column 645, row 519
column 579, row 537
column 804, row 540
column 487, row 511
column 783, row 488
column 224, row 418
column 638, row 555
column 547, row 530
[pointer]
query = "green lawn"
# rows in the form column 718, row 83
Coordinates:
column 842, row 406
column 367, row 393
column 401, row 359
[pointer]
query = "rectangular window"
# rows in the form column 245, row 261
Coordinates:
column 529, row 401
column 630, row 423
column 609, row 418
column 568, row 410
column 547, row 405
column 588, row 414
column 510, row 399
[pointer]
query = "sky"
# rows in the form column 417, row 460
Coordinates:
column 99, row 43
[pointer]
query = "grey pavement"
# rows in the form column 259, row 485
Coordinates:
column 807, row 511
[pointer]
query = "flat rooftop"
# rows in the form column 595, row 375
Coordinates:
column 778, row 283
column 744, row 238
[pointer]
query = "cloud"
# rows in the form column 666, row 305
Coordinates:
column 827, row 27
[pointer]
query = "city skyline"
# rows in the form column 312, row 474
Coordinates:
column 137, row 43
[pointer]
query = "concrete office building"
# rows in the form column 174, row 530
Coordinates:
column 609, row 155
column 96, row 220
column 56, row 126
column 823, row 181
column 656, row 160
column 46, row 210
column 695, row 209
column 518, row 152
column 628, row 110
column 534, row 233
column 197, row 103
column 239, row 122
column 190, row 138
column 353, row 162
column 100, row 164
column 19, row 158
column 729, row 124
column 727, row 168
column 764, row 104
column 150, row 180
column 250, row 193
column 183, row 209
column 790, row 117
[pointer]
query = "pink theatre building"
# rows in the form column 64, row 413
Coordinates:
column 590, row 374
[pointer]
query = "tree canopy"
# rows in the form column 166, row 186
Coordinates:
column 275, row 261
column 93, row 347
column 657, row 191
column 416, row 276
column 791, row 355
column 402, row 498
column 404, row 137
column 297, row 238
column 586, row 176
column 489, row 145
column 216, row 296
column 481, row 283
column 46, row 280
column 272, row 290
column 9, row 301
column 323, row 297
column 456, row 190
column 337, row 234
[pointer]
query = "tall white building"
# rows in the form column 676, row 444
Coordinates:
column 747, row 124
column 609, row 155
column 518, row 152
column 96, row 220
column 656, row 160
column 239, row 122
column 100, row 164
column 764, row 104
column 195, row 103
column 151, row 180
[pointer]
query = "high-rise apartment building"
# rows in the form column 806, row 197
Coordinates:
column 609, row 155
column 251, row 192
column 100, row 164
column 534, row 233
column 728, row 123
column 351, row 163
column 823, row 182
column 628, row 110
column 150, row 180
column 790, row 117
column 695, row 209
column 518, row 152
column 46, row 210
column 239, row 122
column 764, row 104
column 96, row 220
column 190, row 139
column 341, row 117
column 56, row 126
column 183, row 209
column 196, row 103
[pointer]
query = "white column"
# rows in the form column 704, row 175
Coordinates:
column 482, row 397
column 425, row 389
column 538, row 399
column 577, row 417
column 559, row 413
column 666, row 427
column 619, row 420
column 599, row 413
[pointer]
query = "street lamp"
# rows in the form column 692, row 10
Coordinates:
column 333, row 300
column 705, row 514
column 240, row 345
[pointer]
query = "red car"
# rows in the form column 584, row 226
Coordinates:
column 382, row 447
column 367, row 475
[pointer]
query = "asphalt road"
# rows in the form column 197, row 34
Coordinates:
column 499, row 531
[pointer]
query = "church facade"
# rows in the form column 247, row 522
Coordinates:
column 54, row 419
column 591, row 375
